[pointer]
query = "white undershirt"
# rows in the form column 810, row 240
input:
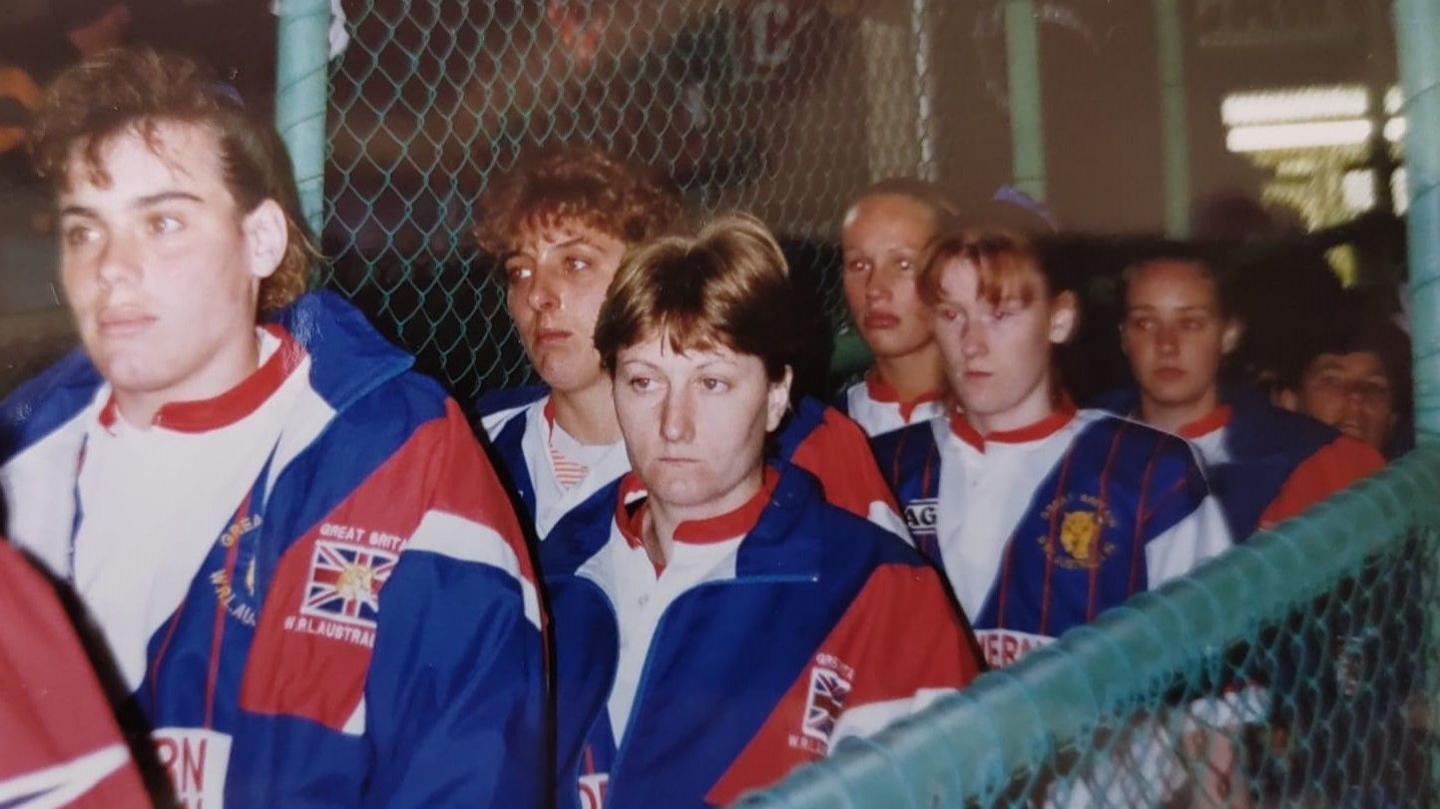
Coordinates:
column 153, row 503
column 641, row 597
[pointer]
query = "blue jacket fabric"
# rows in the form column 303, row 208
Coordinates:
column 1264, row 447
column 273, row 685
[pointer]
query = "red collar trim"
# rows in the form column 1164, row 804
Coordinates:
column 232, row 405
column 1044, row 428
column 630, row 515
column 548, row 411
column 1209, row 423
column 880, row 391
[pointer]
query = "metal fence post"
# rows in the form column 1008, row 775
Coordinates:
column 301, row 94
column 1027, row 130
column 1170, row 41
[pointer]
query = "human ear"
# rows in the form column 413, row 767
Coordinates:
column 1064, row 316
column 266, row 238
column 777, row 399
column 1230, row 337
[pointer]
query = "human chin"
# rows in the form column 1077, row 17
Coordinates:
column 566, row 369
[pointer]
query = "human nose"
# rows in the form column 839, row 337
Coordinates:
column 118, row 262
column 1167, row 339
column 973, row 342
column 877, row 285
column 677, row 416
column 543, row 295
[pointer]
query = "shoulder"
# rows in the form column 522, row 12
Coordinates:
column 580, row 532
column 497, row 408
column 817, row 430
column 44, row 403
column 1259, row 428
column 1123, row 449
column 844, row 538
column 906, row 441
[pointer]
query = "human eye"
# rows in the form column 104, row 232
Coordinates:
column 516, row 273
column 640, row 383
column 78, row 234
column 714, row 384
column 577, row 263
column 856, row 265
column 1140, row 323
column 947, row 313
column 162, row 224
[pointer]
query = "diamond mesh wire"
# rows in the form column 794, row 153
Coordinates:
column 781, row 107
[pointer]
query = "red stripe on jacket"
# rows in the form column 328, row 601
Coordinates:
column 900, row 635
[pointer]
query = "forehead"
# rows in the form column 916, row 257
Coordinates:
column 960, row 283
column 539, row 234
column 667, row 349
column 890, row 212
column 1357, row 363
column 134, row 162
column 1172, row 282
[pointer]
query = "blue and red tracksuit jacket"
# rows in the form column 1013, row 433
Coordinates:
column 1265, row 463
column 749, row 674
column 435, row 697
column 1071, row 516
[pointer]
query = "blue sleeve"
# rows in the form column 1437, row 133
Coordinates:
column 456, row 693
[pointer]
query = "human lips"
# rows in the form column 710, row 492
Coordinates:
column 877, row 321
column 551, row 336
column 1169, row 373
column 124, row 321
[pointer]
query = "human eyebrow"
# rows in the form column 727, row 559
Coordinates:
column 165, row 196
column 77, row 210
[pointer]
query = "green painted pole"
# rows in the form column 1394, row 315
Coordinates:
column 1027, row 131
column 1170, row 42
column 1417, row 40
column 301, row 94
column 1417, row 30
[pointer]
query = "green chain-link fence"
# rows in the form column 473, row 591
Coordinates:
column 1294, row 671
column 781, row 107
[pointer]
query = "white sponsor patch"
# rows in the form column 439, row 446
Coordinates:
column 196, row 760
column 1004, row 646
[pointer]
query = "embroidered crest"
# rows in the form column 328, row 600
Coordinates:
column 345, row 582
column 1081, row 542
column 824, row 703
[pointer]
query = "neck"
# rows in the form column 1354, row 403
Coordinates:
column 1171, row 417
column 913, row 375
column 1040, row 402
column 588, row 415
column 223, row 372
column 661, row 518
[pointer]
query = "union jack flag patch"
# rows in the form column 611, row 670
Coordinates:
column 824, row 703
column 345, row 581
